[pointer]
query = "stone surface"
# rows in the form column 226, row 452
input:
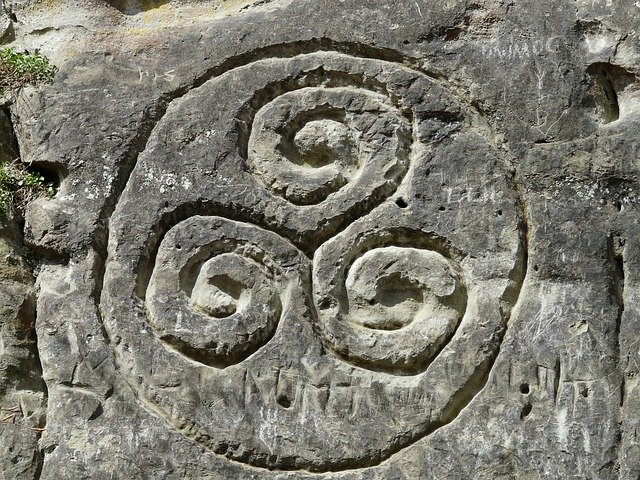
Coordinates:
column 325, row 239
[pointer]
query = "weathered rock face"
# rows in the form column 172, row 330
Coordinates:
column 341, row 240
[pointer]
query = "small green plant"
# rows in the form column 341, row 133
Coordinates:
column 20, row 185
column 19, row 69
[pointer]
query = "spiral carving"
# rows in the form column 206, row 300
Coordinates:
column 395, row 308
column 308, row 144
column 300, row 259
column 215, row 294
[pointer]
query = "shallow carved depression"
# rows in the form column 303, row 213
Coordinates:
column 226, row 284
column 390, row 288
column 394, row 287
column 384, row 328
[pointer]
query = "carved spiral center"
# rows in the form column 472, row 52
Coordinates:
column 324, row 142
column 389, row 288
column 224, row 285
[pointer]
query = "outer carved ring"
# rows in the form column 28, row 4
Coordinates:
column 250, row 398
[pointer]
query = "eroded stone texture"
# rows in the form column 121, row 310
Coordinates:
column 341, row 240
column 22, row 390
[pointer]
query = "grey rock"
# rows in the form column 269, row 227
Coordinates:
column 313, row 239
column 22, row 389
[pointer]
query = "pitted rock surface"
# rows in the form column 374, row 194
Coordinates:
column 324, row 240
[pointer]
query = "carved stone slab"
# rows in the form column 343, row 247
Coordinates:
column 325, row 240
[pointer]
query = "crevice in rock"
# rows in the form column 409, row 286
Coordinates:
column 133, row 7
column 557, row 378
column 526, row 410
column 611, row 106
column 607, row 81
column 617, row 265
column 615, row 252
column 616, row 259
column 39, row 459
column 9, row 149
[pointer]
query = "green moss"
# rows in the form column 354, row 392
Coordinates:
column 19, row 69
